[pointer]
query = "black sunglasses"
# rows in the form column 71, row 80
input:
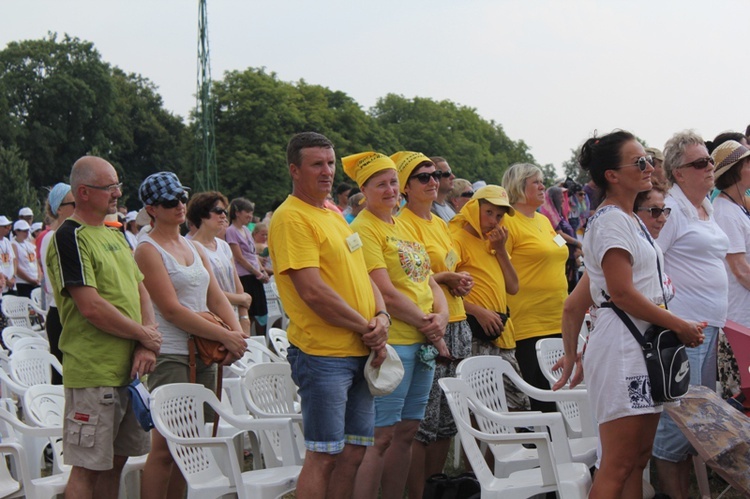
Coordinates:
column 699, row 164
column 467, row 194
column 642, row 163
column 656, row 212
column 424, row 177
column 444, row 174
column 219, row 211
column 172, row 203
column 69, row 203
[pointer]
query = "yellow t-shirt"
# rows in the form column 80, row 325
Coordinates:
column 396, row 248
column 474, row 257
column 303, row 236
column 443, row 258
column 540, row 264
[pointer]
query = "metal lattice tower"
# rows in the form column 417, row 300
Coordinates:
column 205, row 156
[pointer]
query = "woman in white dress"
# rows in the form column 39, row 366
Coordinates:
column 621, row 261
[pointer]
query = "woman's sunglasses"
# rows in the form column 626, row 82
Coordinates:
column 219, row 211
column 172, row 203
column 467, row 194
column 642, row 163
column 699, row 164
column 424, row 177
column 656, row 212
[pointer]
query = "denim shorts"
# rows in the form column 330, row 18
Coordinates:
column 670, row 443
column 409, row 400
column 337, row 407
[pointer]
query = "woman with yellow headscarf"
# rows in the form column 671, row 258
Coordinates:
column 479, row 241
column 399, row 265
column 419, row 185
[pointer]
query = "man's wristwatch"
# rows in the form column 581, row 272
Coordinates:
column 387, row 315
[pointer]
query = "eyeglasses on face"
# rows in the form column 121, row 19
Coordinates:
column 219, row 211
column 69, row 203
column 700, row 163
column 445, row 174
column 657, row 212
column 109, row 188
column 467, row 194
column 172, row 203
column 642, row 163
column 424, row 177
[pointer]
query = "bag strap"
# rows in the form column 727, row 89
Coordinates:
column 625, row 318
column 192, row 352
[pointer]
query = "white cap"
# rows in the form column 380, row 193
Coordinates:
column 130, row 217
column 478, row 185
column 25, row 212
column 4, row 221
column 21, row 225
column 37, row 226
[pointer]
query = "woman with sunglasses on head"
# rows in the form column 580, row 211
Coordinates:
column 400, row 267
column 694, row 249
column 251, row 272
column 621, row 262
column 207, row 211
column 419, row 186
column 178, row 277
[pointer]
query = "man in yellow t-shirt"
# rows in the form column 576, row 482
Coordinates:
column 337, row 316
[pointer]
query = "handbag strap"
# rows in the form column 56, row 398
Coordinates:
column 192, row 353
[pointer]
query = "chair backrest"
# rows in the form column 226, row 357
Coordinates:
column 177, row 411
column 17, row 310
column 548, row 352
column 32, row 367
column 44, row 405
column 279, row 341
column 485, row 378
column 36, row 302
column 32, row 343
column 276, row 311
column 268, row 391
column 256, row 352
column 11, row 334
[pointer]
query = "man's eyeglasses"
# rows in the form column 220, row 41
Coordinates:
column 172, row 203
column 467, row 194
column 219, row 211
column 444, row 174
column 642, row 163
column 424, row 177
column 657, row 212
column 69, row 203
column 109, row 188
column 699, row 164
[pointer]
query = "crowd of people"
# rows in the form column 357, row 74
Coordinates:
column 408, row 255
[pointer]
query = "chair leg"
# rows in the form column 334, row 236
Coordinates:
column 701, row 475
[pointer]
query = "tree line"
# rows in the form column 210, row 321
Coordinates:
column 59, row 100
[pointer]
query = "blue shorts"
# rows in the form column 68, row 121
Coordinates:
column 337, row 407
column 670, row 443
column 409, row 400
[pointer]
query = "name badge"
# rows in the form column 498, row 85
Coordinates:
column 354, row 242
column 559, row 240
column 450, row 260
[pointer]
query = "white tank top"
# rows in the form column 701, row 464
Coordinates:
column 191, row 285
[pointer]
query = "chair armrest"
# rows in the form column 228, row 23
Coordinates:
column 289, row 451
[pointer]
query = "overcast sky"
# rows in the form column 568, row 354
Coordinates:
column 551, row 72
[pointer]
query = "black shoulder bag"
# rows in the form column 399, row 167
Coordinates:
column 666, row 358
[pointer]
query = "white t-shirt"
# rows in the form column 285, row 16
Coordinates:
column 736, row 225
column 694, row 254
column 26, row 260
column 6, row 260
column 46, row 284
column 222, row 263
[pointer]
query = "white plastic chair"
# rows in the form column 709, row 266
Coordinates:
column 548, row 352
column 30, row 343
column 555, row 471
column 484, row 374
column 36, row 302
column 177, row 410
column 27, row 368
column 11, row 334
column 30, row 487
column 17, row 309
column 274, row 305
column 279, row 341
column 269, row 392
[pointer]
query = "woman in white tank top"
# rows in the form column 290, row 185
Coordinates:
column 179, row 279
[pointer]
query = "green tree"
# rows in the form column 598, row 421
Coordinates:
column 475, row 148
column 15, row 189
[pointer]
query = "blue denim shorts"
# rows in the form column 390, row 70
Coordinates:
column 337, row 407
column 670, row 443
column 409, row 400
